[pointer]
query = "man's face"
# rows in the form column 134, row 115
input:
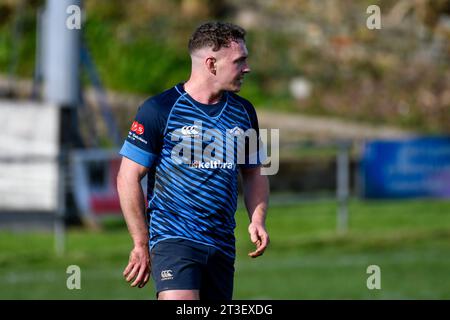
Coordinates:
column 231, row 65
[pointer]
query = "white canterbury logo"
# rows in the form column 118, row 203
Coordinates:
column 190, row 130
column 166, row 275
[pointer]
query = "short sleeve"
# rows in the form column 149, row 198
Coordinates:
column 145, row 138
column 253, row 158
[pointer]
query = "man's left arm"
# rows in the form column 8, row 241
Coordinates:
column 256, row 197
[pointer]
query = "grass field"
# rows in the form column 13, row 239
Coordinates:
column 307, row 259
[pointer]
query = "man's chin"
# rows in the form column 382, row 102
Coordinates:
column 236, row 88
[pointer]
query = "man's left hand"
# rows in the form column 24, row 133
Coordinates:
column 259, row 237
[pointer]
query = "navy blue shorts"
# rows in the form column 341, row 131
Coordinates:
column 179, row 264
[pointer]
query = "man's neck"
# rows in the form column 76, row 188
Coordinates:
column 202, row 92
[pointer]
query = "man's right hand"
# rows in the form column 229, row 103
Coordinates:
column 139, row 266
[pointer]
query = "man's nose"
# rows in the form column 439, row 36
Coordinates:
column 246, row 69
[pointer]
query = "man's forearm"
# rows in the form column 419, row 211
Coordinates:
column 133, row 207
column 256, row 197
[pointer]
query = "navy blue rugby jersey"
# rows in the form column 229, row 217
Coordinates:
column 193, row 152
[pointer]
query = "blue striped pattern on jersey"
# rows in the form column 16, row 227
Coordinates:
column 194, row 202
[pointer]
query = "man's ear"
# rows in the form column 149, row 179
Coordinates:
column 211, row 64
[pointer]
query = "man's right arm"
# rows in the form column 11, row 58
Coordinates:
column 133, row 207
column 141, row 148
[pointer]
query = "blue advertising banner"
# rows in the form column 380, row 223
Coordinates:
column 416, row 167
